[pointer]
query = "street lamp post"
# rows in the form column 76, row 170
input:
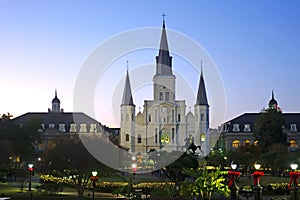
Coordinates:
column 94, row 179
column 133, row 166
column 232, row 185
column 294, row 176
column 30, row 169
column 257, row 188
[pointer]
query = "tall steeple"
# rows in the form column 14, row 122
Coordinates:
column 163, row 60
column 127, row 95
column 201, row 96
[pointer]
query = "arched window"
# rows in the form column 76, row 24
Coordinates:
column 139, row 138
column 165, row 137
column 235, row 143
column 127, row 137
column 293, row 143
column 202, row 137
column 247, row 142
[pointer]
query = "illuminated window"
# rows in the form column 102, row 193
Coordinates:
column 236, row 128
column 247, row 142
column 51, row 144
column 51, row 125
column 165, row 138
column 127, row 137
column 139, row 138
column 202, row 137
column 235, row 143
column 293, row 143
column 256, row 142
column 247, row 128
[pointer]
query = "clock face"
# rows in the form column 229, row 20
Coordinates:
column 164, row 109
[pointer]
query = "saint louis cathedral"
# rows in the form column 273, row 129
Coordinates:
column 163, row 125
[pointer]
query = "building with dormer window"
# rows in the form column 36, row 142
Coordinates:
column 232, row 135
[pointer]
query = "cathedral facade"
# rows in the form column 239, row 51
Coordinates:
column 164, row 124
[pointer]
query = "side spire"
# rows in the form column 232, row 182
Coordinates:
column 201, row 96
column 164, row 60
column 127, row 95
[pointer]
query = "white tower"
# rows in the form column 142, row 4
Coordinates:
column 202, row 118
column 127, row 135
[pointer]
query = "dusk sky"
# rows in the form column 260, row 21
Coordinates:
column 254, row 44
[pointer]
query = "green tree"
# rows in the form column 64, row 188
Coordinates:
column 174, row 170
column 18, row 142
column 268, row 129
column 70, row 158
column 246, row 155
column 278, row 157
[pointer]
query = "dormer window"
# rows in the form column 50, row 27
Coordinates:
column 293, row 128
column 247, row 128
column 236, row 128
column 82, row 128
column 73, row 128
column 51, row 125
column 43, row 126
column 62, row 128
column 93, row 128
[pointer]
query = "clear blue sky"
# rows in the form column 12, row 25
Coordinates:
column 255, row 45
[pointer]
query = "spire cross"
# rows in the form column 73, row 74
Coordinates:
column 163, row 15
column 201, row 65
column 127, row 64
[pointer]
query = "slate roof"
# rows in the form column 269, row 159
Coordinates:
column 249, row 118
column 164, row 60
column 127, row 94
column 201, row 96
column 57, row 118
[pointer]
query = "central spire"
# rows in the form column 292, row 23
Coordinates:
column 201, row 96
column 163, row 60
